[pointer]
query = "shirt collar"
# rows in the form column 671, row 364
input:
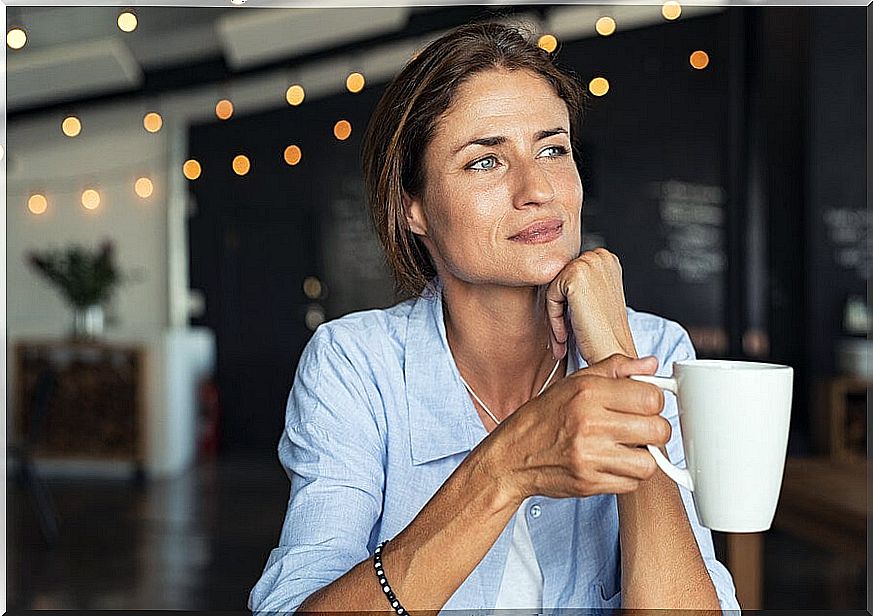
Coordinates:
column 440, row 417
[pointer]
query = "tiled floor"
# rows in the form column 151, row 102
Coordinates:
column 200, row 542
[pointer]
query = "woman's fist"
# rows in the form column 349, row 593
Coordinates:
column 590, row 288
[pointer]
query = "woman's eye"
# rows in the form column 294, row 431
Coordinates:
column 484, row 164
column 554, row 151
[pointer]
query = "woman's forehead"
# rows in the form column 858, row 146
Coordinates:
column 503, row 100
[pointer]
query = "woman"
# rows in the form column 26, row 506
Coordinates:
column 497, row 448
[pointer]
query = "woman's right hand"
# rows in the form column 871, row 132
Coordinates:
column 585, row 435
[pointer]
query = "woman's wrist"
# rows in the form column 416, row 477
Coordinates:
column 498, row 464
column 622, row 345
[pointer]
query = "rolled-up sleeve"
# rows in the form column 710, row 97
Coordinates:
column 333, row 452
column 681, row 348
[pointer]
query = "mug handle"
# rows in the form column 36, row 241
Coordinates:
column 679, row 475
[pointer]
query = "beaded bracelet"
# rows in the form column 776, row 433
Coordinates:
column 383, row 581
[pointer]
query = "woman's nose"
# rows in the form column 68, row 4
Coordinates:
column 532, row 185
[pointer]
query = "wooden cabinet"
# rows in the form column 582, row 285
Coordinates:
column 844, row 402
column 80, row 400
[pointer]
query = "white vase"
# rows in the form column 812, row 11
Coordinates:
column 88, row 322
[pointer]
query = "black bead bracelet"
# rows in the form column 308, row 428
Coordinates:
column 383, row 581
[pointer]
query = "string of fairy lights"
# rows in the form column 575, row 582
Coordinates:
column 152, row 122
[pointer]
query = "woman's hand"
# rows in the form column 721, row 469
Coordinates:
column 583, row 436
column 591, row 287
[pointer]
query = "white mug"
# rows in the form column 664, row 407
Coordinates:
column 734, row 418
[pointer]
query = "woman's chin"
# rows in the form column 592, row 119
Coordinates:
column 548, row 269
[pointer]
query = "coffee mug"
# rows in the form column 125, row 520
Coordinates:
column 734, row 418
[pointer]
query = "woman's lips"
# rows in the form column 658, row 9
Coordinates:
column 540, row 232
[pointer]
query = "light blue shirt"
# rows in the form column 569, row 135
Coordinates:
column 376, row 422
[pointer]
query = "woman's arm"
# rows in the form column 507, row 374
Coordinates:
column 662, row 566
column 435, row 553
column 561, row 444
column 662, row 498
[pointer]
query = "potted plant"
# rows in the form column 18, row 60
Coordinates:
column 85, row 277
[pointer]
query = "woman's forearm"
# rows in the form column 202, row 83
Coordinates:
column 661, row 565
column 660, row 561
column 427, row 562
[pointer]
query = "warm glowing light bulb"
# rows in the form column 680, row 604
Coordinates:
column 292, row 155
column 37, row 203
column 127, row 21
column 342, row 130
column 90, row 199
column 241, row 164
column 143, row 187
column 699, row 59
column 671, row 10
column 71, row 126
column 191, row 169
column 295, row 94
column 598, row 86
column 548, row 42
column 152, row 121
column 16, row 38
column 355, row 83
column 223, row 109
column 605, row 26
column 312, row 287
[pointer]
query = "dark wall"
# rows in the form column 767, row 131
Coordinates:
column 652, row 159
column 255, row 238
column 838, row 222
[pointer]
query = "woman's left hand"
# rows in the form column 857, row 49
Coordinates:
column 591, row 287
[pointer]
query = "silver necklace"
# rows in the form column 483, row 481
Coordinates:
column 487, row 410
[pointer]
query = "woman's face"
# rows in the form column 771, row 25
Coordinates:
column 502, row 197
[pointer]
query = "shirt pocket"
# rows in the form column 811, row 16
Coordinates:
column 608, row 595
column 606, row 587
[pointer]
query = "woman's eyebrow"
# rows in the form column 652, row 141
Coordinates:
column 489, row 142
column 544, row 134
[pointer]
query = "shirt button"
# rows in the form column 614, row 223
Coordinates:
column 535, row 510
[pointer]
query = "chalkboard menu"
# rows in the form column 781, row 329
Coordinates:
column 692, row 227
column 848, row 233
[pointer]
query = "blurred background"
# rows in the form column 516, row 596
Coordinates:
column 185, row 206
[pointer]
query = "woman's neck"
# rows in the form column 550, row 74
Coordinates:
column 499, row 338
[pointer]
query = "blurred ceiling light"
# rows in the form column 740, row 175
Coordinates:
column 143, row 188
column 71, row 126
column 16, row 38
column 699, row 59
column 90, row 199
column 355, row 83
column 191, row 169
column 605, row 26
column 237, row 2
column 598, row 86
column 342, row 130
column 127, row 21
column 37, row 203
column 548, row 42
column 292, row 155
column 294, row 94
column 223, row 109
column 314, row 316
column 152, row 121
column 241, row 164
column 671, row 10
column 312, row 287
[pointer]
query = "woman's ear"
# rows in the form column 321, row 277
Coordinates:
column 413, row 209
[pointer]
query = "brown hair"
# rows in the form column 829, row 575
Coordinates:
column 404, row 120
